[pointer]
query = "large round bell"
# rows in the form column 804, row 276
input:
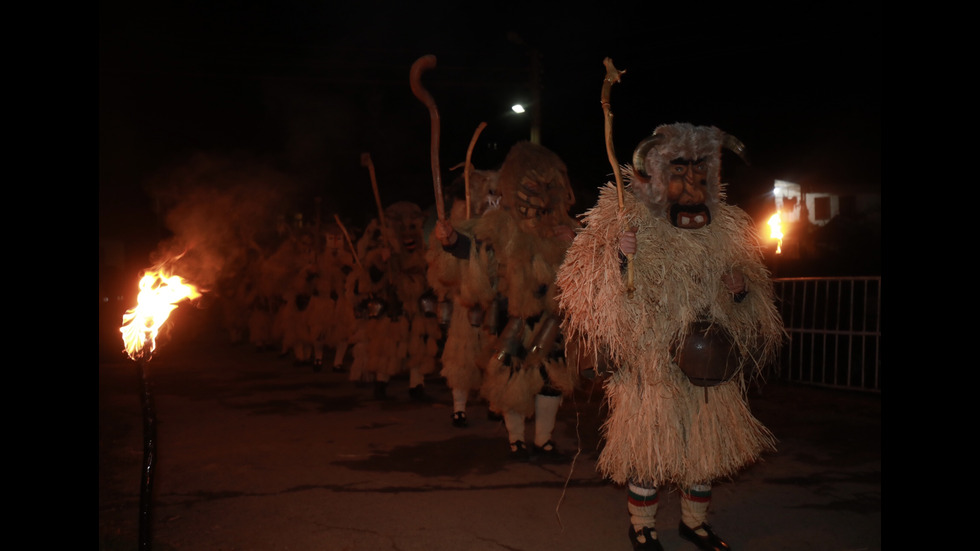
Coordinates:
column 545, row 336
column 707, row 355
column 512, row 339
column 427, row 304
column 445, row 312
column 476, row 314
column 375, row 307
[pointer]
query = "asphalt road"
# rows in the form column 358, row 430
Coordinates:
column 255, row 453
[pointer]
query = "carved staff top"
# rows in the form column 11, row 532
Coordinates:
column 612, row 77
column 422, row 64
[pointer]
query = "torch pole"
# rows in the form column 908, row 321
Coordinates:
column 149, row 452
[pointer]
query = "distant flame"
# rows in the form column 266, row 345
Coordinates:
column 159, row 295
column 777, row 231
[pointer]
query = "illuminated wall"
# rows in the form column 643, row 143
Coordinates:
column 790, row 201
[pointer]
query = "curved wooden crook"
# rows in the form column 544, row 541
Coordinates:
column 421, row 64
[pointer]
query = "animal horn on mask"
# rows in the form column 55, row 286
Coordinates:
column 734, row 144
column 640, row 153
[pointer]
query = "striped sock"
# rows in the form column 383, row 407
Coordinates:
column 642, row 505
column 694, row 506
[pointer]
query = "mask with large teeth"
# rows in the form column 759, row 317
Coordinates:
column 656, row 159
column 690, row 217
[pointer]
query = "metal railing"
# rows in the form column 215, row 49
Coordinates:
column 834, row 328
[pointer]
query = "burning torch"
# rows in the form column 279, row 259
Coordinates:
column 159, row 295
column 776, row 223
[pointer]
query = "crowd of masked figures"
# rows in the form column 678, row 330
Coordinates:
column 344, row 298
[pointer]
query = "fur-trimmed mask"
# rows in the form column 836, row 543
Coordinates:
column 405, row 221
column 534, row 182
column 677, row 171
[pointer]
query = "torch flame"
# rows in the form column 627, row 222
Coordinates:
column 159, row 295
column 777, row 231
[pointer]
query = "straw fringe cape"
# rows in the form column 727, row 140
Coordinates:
column 522, row 263
column 662, row 429
column 468, row 285
column 379, row 345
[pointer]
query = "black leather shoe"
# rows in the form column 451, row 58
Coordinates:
column 710, row 542
column 380, row 390
column 518, row 451
column 417, row 394
column 649, row 543
column 459, row 419
column 548, row 453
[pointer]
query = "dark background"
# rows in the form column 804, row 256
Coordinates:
column 275, row 102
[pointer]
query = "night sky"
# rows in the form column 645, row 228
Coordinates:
column 278, row 100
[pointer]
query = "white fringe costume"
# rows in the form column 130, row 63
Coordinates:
column 467, row 348
column 379, row 344
column 662, row 429
column 525, row 262
column 403, row 338
column 513, row 253
column 335, row 312
column 409, row 266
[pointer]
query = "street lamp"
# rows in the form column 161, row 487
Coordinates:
column 522, row 110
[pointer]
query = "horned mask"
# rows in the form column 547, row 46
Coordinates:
column 677, row 172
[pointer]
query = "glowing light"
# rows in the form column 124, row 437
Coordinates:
column 517, row 108
column 775, row 222
column 160, row 293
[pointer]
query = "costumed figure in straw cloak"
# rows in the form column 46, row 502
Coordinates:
column 682, row 337
column 377, row 342
column 416, row 299
column 296, row 261
column 467, row 288
column 389, row 288
column 520, row 246
column 333, row 307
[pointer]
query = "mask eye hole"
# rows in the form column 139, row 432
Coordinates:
column 680, row 167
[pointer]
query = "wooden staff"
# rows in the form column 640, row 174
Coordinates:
column 353, row 250
column 422, row 64
column 385, row 238
column 366, row 161
column 317, row 236
column 466, row 167
column 612, row 77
